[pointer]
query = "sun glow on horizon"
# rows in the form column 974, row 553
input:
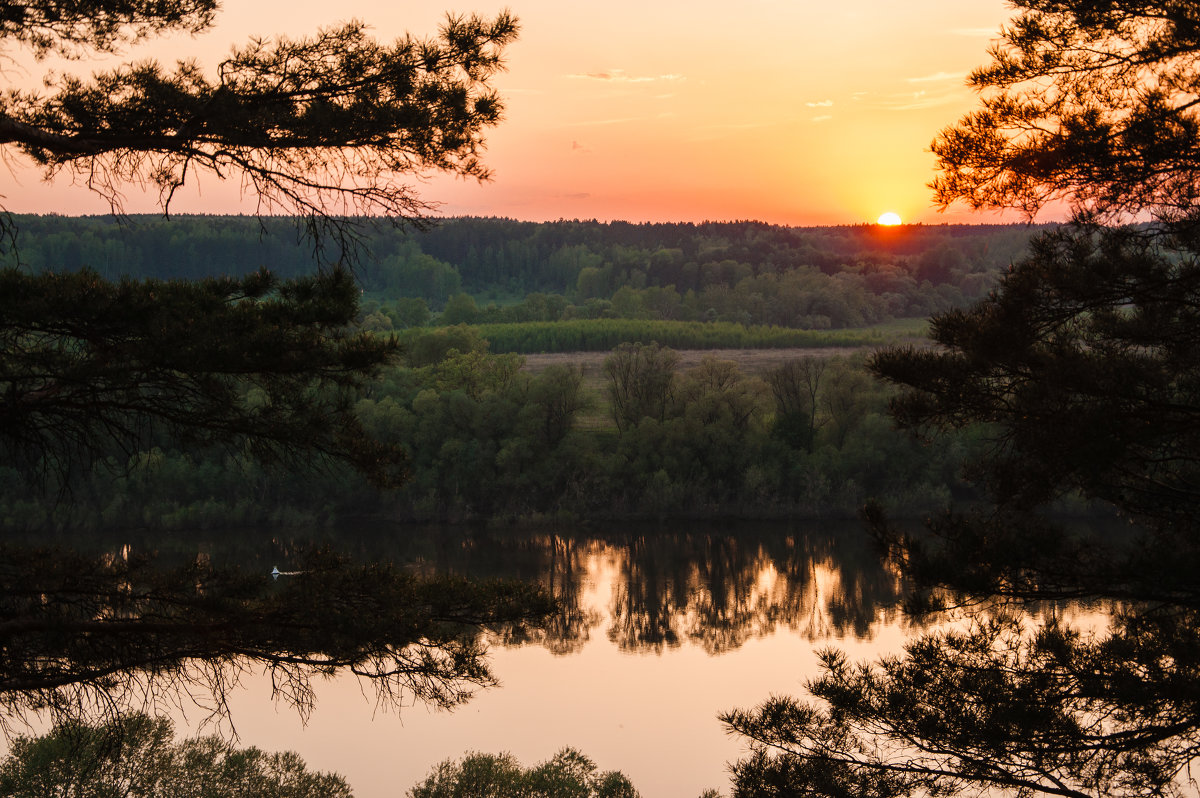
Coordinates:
column 605, row 120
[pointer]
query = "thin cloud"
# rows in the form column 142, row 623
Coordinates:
column 822, row 118
column 938, row 77
column 620, row 120
column 621, row 76
column 919, row 100
column 821, row 104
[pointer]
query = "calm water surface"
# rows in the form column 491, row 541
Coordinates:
column 661, row 630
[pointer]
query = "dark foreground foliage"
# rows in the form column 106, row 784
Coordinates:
column 568, row 774
column 90, row 367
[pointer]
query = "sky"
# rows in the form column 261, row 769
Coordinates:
column 796, row 112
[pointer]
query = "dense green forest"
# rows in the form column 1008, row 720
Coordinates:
column 488, row 438
column 492, row 271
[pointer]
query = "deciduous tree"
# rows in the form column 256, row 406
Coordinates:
column 641, row 382
column 138, row 755
column 568, row 774
column 796, row 386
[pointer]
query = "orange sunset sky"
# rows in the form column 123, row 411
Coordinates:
column 787, row 111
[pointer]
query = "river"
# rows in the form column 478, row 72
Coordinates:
column 662, row 629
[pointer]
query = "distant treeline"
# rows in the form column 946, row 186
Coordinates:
column 494, row 271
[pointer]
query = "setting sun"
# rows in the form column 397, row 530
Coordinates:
column 889, row 219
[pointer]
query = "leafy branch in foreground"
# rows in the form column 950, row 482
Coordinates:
column 1004, row 704
column 318, row 127
column 1085, row 362
column 1094, row 103
column 70, row 29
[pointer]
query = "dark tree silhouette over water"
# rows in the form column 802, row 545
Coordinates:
column 715, row 587
column 328, row 128
column 89, row 635
column 328, row 125
column 1083, row 369
column 718, row 591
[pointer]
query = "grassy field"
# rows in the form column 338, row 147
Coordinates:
column 751, row 362
column 602, row 335
column 902, row 328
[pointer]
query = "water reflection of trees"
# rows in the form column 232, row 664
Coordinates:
column 93, row 634
column 665, row 587
column 719, row 590
column 557, row 563
column 645, row 589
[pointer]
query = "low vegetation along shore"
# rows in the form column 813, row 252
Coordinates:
column 642, row 431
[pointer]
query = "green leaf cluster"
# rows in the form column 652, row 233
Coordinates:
column 568, row 774
column 138, row 755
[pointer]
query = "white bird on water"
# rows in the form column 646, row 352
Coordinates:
column 276, row 573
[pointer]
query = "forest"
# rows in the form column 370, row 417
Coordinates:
column 497, row 271
column 804, row 433
column 486, row 440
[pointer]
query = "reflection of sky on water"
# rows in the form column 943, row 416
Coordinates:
column 660, row 631
column 627, row 674
column 653, row 716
